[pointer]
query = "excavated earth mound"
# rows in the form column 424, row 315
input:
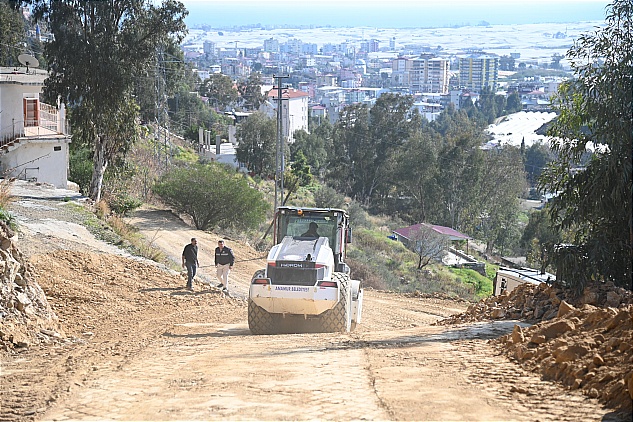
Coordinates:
column 25, row 315
column 583, row 342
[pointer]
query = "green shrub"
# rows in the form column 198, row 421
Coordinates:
column 122, row 204
column 81, row 166
column 8, row 218
column 213, row 197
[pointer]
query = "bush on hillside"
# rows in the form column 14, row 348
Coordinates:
column 212, row 197
column 327, row 197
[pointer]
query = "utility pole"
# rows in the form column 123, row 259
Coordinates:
column 279, row 156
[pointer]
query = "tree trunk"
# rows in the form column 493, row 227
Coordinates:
column 489, row 247
column 100, row 163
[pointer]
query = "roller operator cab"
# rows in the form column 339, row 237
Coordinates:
column 306, row 285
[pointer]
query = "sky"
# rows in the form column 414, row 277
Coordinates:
column 389, row 13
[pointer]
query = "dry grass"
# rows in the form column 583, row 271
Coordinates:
column 140, row 245
column 5, row 192
column 136, row 243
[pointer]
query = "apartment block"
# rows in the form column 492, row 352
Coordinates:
column 477, row 71
column 271, row 45
column 294, row 110
column 209, row 48
column 429, row 74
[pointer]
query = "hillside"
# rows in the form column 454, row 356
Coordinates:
column 91, row 332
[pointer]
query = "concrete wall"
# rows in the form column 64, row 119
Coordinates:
column 38, row 161
column 12, row 116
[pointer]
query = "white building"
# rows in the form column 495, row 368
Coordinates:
column 294, row 110
column 429, row 75
column 34, row 136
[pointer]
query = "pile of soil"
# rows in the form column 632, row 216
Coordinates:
column 583, row 342
column 25, row 314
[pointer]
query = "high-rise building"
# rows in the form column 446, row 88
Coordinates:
column 429, row 74
column 374, row 45
column 370, row 46
column 400, row 71
column 208, row 47
column 310, row 48
column 477, row 71
column 271, row 45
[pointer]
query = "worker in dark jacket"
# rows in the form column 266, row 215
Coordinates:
column 224, row 261
column 190, row 261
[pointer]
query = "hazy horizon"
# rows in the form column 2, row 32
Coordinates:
column 393, row 14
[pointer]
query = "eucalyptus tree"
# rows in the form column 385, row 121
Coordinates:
column 365, row 141
column 168, row 77
column 415, row 178
column 257, row 137
column 495, row 208
column 220, row 91
column 595, row 110
column 352, row 150
column 96, row 52
column 513, row 103
column 314, row 146
column 250, row 90
column 461, row 166
column 536, row 158
column 13, row 33
column 539, row 239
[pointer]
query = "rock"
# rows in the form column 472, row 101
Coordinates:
column 597, row 360
column 629, row 383
column 564, row 308
column 550, row 314
column 517, row 335
column 538, row 338
column 517, row 389
column 19, row 280
column 538, row 312
column 498, row 313
column 5, row 244
column 607, row 377
column 50, row 333
column 622, row 318
column 570, row 353
column 590, row 297
column 519, row 352
column 21, row 342
column 555, row 329
column 613, row 299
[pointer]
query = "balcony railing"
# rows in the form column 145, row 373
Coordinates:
column 50, row 122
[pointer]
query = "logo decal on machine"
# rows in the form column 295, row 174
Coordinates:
column 290, row 265
column 293, row 288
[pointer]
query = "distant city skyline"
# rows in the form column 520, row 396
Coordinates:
column 389, row 14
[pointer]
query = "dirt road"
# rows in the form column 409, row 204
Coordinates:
column 136, row 346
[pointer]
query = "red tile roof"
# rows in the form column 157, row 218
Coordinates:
column 287, row 93
column 408, row 232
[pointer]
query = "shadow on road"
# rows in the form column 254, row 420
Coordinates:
column 230, row 332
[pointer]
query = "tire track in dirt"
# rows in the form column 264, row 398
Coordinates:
column 212, row 372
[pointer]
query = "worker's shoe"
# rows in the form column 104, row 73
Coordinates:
column 221, row 286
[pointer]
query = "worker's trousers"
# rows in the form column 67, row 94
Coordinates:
column 223, row 274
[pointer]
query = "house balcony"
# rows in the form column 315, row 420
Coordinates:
column 44, row 122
